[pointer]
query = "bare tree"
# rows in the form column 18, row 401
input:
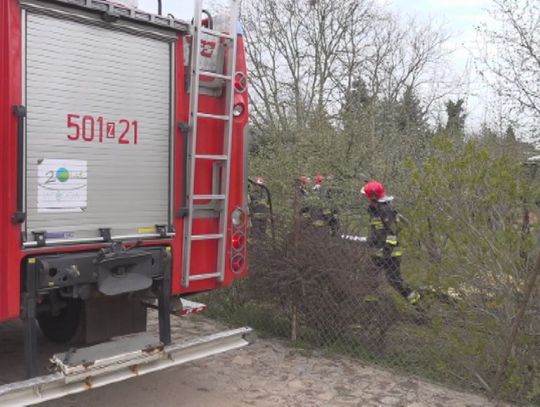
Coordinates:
column 306, row 56
column 295, row 50
column 510, row 61
column 404, row 54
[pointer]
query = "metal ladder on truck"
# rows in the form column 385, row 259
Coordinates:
column 224, row 159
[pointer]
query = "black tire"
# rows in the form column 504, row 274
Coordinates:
column 63, row 327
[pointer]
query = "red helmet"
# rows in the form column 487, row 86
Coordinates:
column 374, row 191
column 319, row 179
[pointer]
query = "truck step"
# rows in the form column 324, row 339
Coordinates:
column 215, row 75
column 215, row 236
column 216, row 33
column 196, row 277
column 126, row 351
column 96, row 366
column 208, row 197
column 212, row 116
column 211, row 157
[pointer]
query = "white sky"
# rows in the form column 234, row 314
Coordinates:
column 459, row 17
column 182, row 9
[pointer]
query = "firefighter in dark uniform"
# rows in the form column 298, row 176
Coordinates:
column 259, row 208
column 317, row 210
column 383, row 238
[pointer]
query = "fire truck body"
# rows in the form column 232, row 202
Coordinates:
column 123, row 163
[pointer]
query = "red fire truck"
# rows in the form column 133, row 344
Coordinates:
column 123, row 160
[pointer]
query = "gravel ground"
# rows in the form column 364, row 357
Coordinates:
column 266, row 373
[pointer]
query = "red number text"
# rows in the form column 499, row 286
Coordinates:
column 86, row 128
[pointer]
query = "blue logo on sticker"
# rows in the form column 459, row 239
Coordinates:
column 62, row 174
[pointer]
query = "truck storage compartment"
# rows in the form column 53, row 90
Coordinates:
column 98, row 133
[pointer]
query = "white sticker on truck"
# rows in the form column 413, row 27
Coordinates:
column 62, row 185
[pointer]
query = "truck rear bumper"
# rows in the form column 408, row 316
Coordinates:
column 115, row 361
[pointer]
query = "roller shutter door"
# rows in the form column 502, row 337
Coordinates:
column 98, row 129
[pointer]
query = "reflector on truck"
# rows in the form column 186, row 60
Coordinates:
column 98, row 129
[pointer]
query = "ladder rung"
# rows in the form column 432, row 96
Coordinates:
column 211, row 157
column 215, row 75
column 215, row 236
column 203, row 276
column 208, row 197
column 218, row 34
column 212, row 116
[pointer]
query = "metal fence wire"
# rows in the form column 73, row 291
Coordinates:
column 320, row 289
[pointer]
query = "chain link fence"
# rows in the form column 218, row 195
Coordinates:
column 317, row 289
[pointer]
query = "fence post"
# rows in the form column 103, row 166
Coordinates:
column 296, row 239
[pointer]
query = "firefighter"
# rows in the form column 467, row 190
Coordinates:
column 317, row 210
column 318, row 179
column 303, row 185
column 259, row 208
column 383, row 237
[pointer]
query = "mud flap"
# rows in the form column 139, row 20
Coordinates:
column 108, row 317
column 124, row 272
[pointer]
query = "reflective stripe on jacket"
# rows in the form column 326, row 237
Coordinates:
column 383, row 230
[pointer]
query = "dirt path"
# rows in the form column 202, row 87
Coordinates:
column 267, row 373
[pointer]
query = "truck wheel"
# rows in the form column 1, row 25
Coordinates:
column 63, row 327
